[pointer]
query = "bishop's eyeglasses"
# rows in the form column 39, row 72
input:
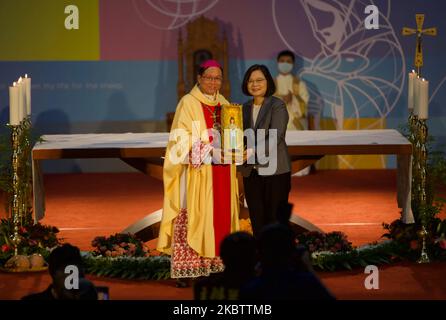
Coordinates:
column 209, row 79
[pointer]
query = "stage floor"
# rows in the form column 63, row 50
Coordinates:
column 356, row 202
column 83, row 206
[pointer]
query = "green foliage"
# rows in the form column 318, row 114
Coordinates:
column 400, row 231
column 377, row 254
column 436, row 178
column 27, row 140
column 332, row 251
column 5, row 167
column 144, row 268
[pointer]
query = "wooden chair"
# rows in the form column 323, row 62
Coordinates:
column 203, row 41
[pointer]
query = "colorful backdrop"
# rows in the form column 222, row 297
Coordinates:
column 118, row 71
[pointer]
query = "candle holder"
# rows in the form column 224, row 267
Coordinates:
column 423, row 160
column 423, row 133
column 419, row 138
column 15, row 210
column 419, row 161
column 25, row 170
column 413, row 140
column 424, row 258
column 20, row 172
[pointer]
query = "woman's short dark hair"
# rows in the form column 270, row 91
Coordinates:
column 286, row 53
column 270, row 85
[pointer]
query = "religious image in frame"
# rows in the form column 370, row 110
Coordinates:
column 232, row 130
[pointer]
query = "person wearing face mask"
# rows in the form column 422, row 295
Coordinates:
column 294, row 93
column 201, row 202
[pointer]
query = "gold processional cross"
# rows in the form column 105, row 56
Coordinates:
column 419, row 33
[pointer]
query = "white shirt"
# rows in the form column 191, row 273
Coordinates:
column 210, row 97
column 255, row 113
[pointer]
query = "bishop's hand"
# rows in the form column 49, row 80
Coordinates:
column 247, row 154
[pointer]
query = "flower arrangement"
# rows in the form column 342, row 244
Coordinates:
column 408, row 235
column 401, row 232
column 314, row 241
column 119, row 245
column 34, row 239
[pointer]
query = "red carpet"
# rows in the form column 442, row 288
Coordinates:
column 356, row 202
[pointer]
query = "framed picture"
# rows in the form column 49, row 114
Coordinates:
column 232, row 129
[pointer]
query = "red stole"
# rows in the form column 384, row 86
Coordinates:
column 221, row 181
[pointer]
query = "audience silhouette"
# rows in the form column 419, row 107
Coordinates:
column 59, row 259
column 285, row 272
column 238, row 252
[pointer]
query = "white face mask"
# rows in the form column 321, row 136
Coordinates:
column 285, row 67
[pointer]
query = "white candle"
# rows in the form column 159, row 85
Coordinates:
column 411, row 87
column 423, row 99
column 416, row 94
column 14, row 105
column 21, row 99
column 27, row 82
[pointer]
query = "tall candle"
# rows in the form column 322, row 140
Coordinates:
column 423, row 99
column 416, row 93
column 14, row 105
column 411, row 86
column 21, row 99
column 27, row 82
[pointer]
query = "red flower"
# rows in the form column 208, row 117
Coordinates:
column 442, row 244
column 5, row 248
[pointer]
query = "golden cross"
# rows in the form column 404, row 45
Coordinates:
column 419, row 32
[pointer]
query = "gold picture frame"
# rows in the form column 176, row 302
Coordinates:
column 232, row 130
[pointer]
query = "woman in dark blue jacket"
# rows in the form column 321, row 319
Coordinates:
column 267, row 172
